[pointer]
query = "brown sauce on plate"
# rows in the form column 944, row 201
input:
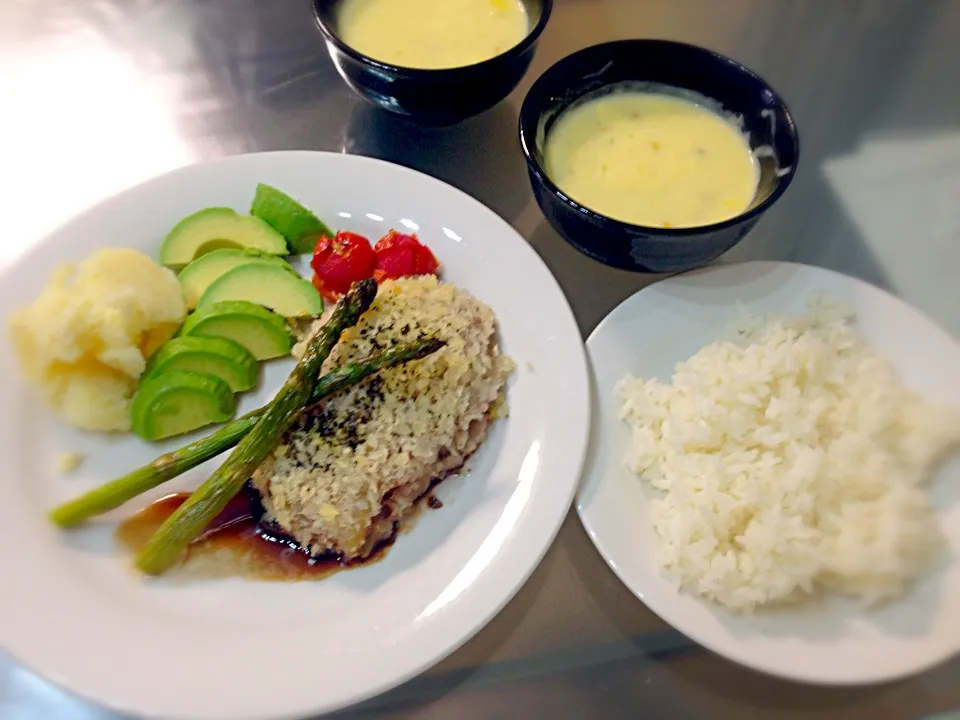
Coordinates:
column 235, row 544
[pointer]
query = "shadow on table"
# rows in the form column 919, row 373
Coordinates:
column 719, row 678
column 480, row 156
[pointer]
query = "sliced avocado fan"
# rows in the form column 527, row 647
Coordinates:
column 179, row 401
column 268, row 285
column 260, row 331
column 216, row 228
column 202, row 272
column 226, row 359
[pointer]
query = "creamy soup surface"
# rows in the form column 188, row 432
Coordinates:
column 432, row 34
column 652, row 159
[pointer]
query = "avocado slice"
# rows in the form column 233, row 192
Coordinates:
column 214, row 228
column 179, row 401
column 199, row 274
column 267, row 285
column 227, row 359
column 260, row 331
column 288, row 217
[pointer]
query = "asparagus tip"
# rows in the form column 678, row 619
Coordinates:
column 366, row 291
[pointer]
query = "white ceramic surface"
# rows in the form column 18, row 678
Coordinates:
column 73, row 610
column 831, row 640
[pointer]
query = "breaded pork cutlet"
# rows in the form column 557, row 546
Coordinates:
column 352, row 467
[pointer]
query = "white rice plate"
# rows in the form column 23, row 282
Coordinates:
column 830, row 637
column 790, row 459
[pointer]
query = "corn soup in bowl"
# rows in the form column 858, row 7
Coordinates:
column 435, row 61
column 655, row 156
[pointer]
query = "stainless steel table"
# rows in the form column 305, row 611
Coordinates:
column 99, row 94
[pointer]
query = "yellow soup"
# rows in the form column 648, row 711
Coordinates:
column 652, row 159
column 432, row 33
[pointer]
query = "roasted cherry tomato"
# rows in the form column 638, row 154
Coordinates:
column 340, row 262
column 400, row 255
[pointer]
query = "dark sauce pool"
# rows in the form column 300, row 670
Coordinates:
column 237, row 544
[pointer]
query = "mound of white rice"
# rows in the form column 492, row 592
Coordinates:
column 790, row 459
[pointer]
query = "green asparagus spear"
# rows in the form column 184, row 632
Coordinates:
column 166, row 545
column 116, row 492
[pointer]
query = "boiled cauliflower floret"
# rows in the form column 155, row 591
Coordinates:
column 85, row 341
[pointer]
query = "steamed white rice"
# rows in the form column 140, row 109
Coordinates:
column 790, row 458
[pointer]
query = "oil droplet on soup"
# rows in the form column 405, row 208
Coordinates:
column 432, row 34
column 652, row 159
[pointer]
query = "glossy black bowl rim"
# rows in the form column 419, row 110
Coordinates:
column 530, row 38
column 530, row 119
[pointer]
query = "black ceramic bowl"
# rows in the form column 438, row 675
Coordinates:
column 739, row 90
column 433, row 97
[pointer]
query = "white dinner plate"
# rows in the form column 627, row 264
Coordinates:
column 71, row 607
column 831, row 640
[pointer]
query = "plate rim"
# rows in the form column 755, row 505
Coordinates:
column 609, row 556
column 548, row 526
